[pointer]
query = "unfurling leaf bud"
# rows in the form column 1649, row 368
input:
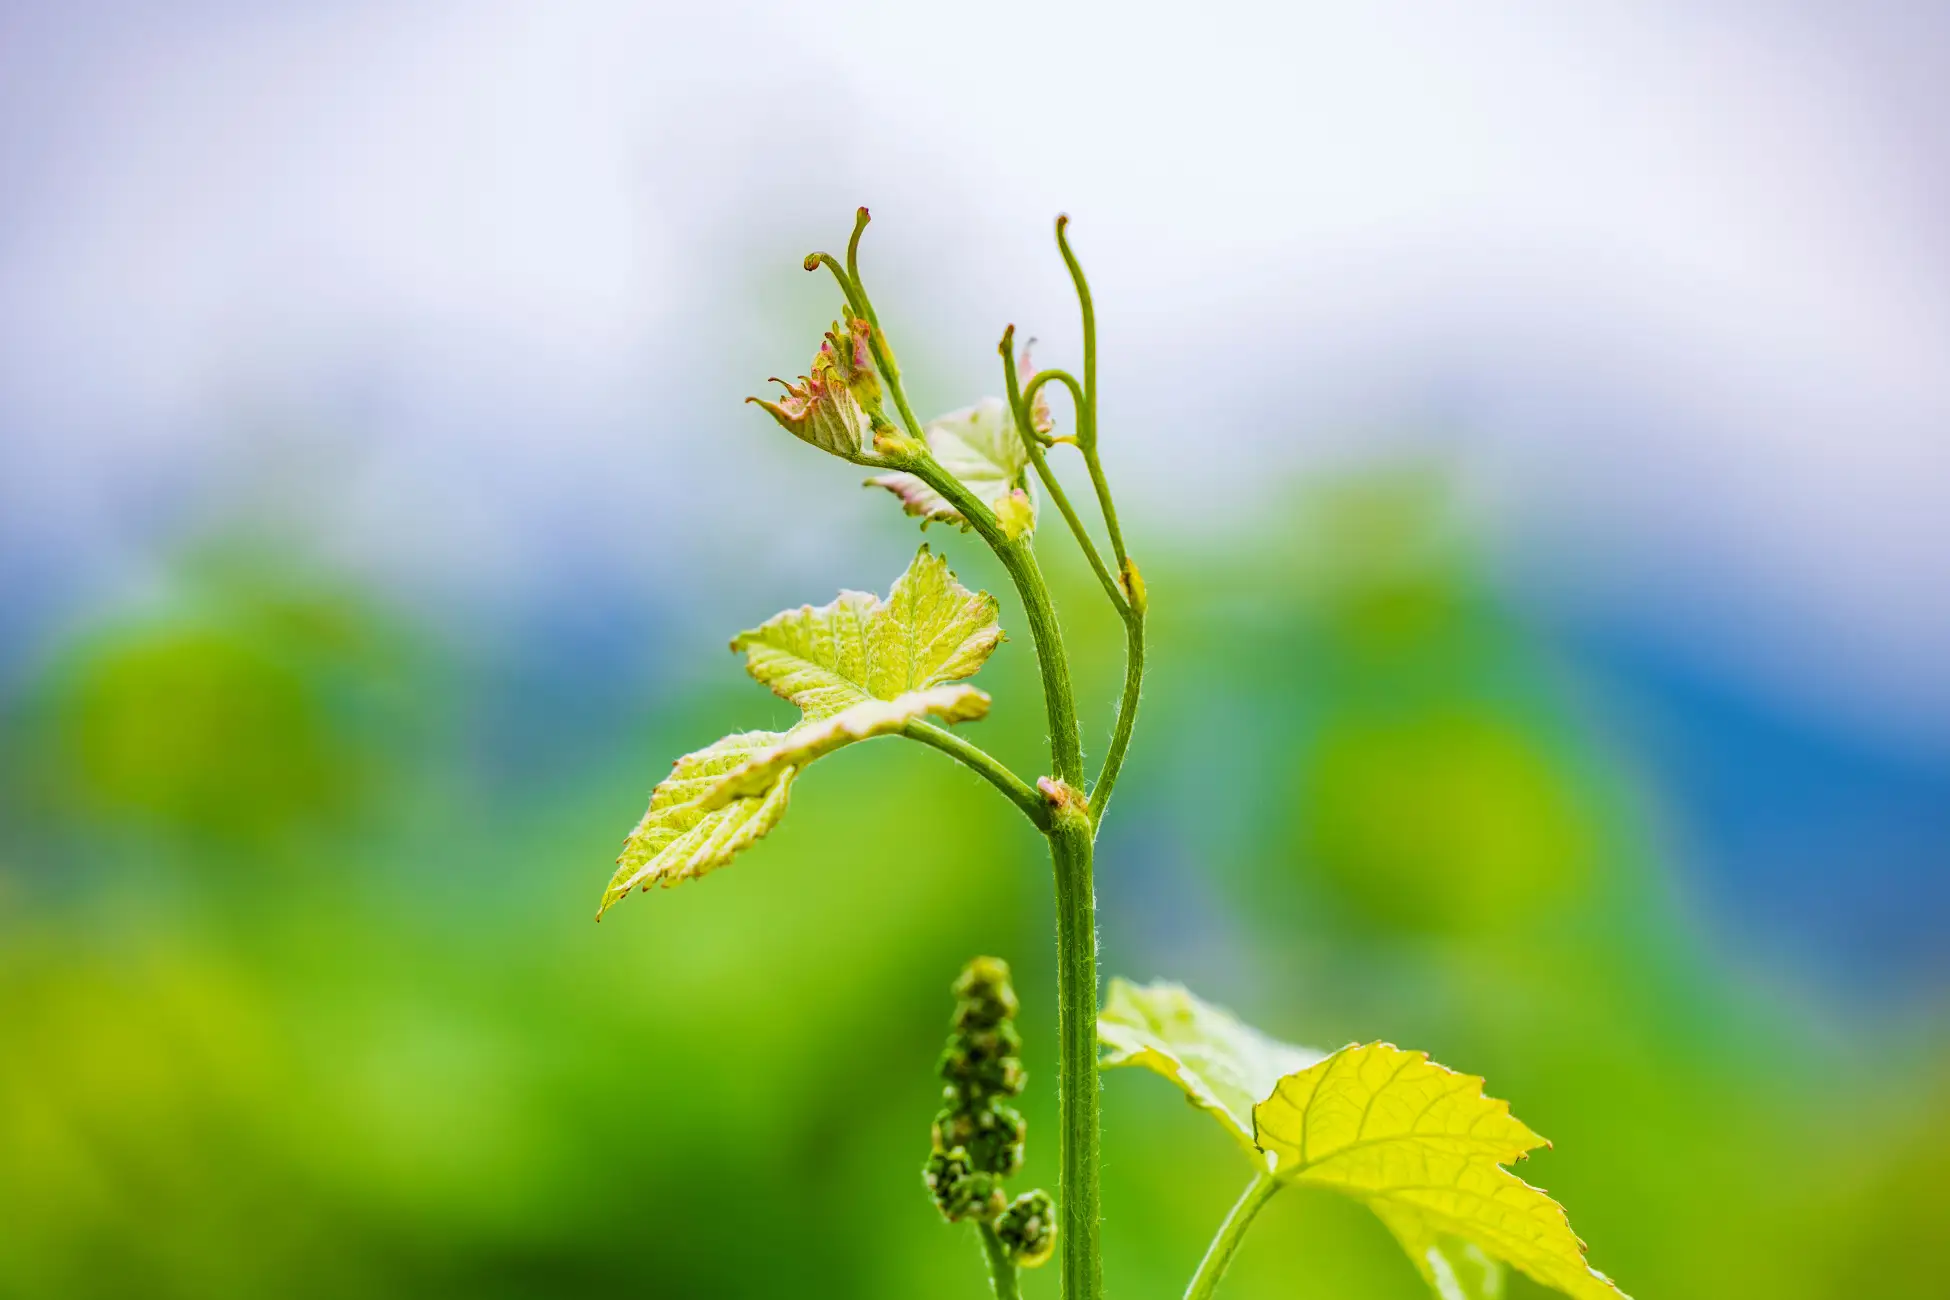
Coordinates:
column 1027, row 1229
column 837, row 407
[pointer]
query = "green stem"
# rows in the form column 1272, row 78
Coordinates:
column 1126, row 592
column 1071, row 835
column 1076, row 1028
column 1120, row 739
column 1104, row 501
column 985, row 765
column 1064, row 377
column 1019, row 405
column 1059, row 698
column 1087, row 423
column 1231, row 1232
column 860, row 220
column 856, row 298
column 1064, row 508
column 1068, row 825
column 1002, row 1269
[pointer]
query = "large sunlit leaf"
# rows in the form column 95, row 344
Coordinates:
column 1425, row 1149
column 1457, row 1269
column 859, row 667
column 929, row 631
column 1417, row 1143
column 1224, row 1065
column 979, row 445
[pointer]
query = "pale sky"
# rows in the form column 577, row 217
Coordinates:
column 480, row 286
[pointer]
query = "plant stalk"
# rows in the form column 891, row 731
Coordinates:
column 1120, row 740
column 1019, row 406
column 1071, row 835
column 984, row 765
column 1076, row 1028
column 1019, row 560
column 1059, row 695
column 1002, row 1269
column 1067, row 822
column 1219, row 1254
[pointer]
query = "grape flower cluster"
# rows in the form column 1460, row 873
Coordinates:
column 978, row 1136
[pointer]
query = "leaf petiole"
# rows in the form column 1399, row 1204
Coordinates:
column 985, row 765
column 1231, row 1232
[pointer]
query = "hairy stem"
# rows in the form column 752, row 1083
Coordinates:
column 1002, row 1269
column 1076, row 1027
column 1126, row 591
column 1071, row 836
column 1067, row 818
column 985, row 765
column 1120, row 739
column 1219, row 1254
column 1134, row 608
column 1059, row 697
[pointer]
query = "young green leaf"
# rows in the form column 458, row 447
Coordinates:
column 678, row 838
column 929, row 631
column 1224, row 1065
column 1425, row 1149
column 719, row 800
column 1456, row 1212
column 859, row 667
column 980, row 446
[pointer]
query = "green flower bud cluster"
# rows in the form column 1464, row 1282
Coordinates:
column 978, row 1136
column 1027, row 1229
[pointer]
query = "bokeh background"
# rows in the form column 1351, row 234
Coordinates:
column 1534, row 423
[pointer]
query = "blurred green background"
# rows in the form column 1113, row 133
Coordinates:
column 302, row 995
column 1530, row 426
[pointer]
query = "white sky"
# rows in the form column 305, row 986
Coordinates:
column 1666, row 282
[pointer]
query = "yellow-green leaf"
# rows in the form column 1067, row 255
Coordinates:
column 929, row 631
column 1224, row 1065
column 1455, row 1268
column 859, row 667
column 1270, row 1096
column 979, row 445
column 1425, row 1149
column 679, row 838
column 815, row 739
